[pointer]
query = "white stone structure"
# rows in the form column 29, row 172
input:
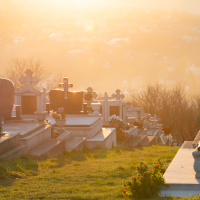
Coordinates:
column 29, row 98
column 134, row 112
column 111, row 106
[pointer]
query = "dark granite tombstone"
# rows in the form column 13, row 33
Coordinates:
column 72, row 105
column 29, row 105
column 7, row 97
column 115, row 110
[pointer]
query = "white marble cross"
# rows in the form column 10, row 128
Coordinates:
column 105, row 109
column 105, row 98
column 65, row 85
column 129, row 106
column 28, row 79
column 117, row 96
column 44, row 98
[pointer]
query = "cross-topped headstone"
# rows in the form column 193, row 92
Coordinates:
column 129, row 106
column 45, row 100
column 94, row 94
column 28, row 79
column 65, row 85
column 105, row 98
column 105, row 110
column 117, row 96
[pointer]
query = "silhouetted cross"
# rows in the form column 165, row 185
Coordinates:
column 94, row 94
column 117, row 96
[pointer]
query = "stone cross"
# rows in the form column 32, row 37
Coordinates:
column 105, row 110
column 129, row 106
column 44, row 99
column 28, row 79
column 105, row 98
column 117, row 96
column 65, row 85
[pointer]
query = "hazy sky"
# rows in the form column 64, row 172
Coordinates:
column 191, row 6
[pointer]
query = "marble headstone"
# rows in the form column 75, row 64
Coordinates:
column 7, row 96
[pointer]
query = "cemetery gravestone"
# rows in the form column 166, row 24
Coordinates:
column 104, row 109
column 29, row 105
column 113, row 107
column 29, row 97
column 117, row 95
column 88, row 97
column 115, row 110
column 72, row 102
column 7, row 96
column 65, row 85
column 118, row 110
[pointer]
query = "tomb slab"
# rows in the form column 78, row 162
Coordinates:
column 105, row 138
column 180, row 175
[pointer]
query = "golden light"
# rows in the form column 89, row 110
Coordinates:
column 61, row 3
column 89, row 25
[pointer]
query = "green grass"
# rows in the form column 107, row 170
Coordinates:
column 96, row 174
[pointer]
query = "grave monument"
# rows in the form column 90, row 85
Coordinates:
column 113, row 106
column 182, row 175
column 7, row 97
column 29, row 98
column 72, row 102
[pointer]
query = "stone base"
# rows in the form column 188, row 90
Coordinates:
column 9, row 141
column 180, row 176
column 60, row 130
column 197, row 175
column 85, row 131
column 36, row 137
column 105, row 138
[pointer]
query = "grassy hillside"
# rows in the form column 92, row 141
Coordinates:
column 87, row 175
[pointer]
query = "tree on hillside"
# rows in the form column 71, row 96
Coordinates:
column 18, row 66
column 176, row 108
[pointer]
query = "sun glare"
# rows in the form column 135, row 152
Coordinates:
column 62, row 2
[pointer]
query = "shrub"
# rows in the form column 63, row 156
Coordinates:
column 166, row 130
column 147, row 183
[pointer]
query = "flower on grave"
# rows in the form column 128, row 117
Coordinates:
column 47, row 122
column 114, row 119
column 61, row 110
column 54, row 114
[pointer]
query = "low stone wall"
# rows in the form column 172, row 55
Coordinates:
column 55, row 151
column 15, row 153
column 80, row 146
column 10, row 143
column 108, row 142
column 87, row 132
column 132, row 131
column 36, row 139
column 127, row 143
